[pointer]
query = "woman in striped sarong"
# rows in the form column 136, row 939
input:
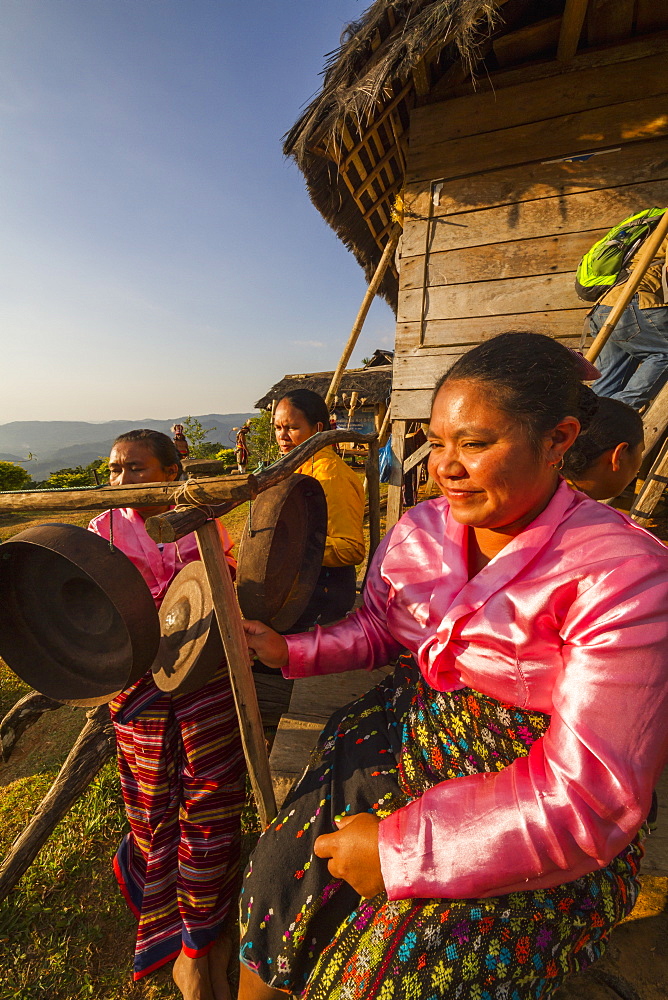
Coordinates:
column 470, row 828
column 181, row 766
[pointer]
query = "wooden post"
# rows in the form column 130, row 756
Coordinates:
column 396, row 474
column 25, row 713
column 232, row 633
column 94, row 746
column 652, row 488
column 571, row 29
column 417, row 457
column 655, row 420
column 351, row 408
column 647, row 255
column 373, row 493
column 369, row 296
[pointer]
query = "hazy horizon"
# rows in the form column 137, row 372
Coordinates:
column 136, row 420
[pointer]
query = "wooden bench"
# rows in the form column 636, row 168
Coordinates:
column 313, row 701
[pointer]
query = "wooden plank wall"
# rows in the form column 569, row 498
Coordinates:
column 493, row 233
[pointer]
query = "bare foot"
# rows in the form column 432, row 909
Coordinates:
column 191, row 975
column 251, row 987
column 219, row 959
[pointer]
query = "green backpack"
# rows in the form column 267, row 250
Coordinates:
column 604, row 265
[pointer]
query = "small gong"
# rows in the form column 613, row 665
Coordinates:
column 190, row 647
column 281, row 551
column 78, row 621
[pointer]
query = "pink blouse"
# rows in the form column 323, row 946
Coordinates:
column 157, row 564
column 571, row 619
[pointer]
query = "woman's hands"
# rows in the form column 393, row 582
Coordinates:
column 353, row 853
column 270, row 647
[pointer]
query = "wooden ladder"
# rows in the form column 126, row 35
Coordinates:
column 655, row 424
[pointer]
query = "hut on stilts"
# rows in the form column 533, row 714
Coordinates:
column 506, row 136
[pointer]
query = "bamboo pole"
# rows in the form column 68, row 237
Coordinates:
column 383, row 426
column 647, row 255
column 369, row 296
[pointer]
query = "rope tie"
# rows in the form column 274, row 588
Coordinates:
column 111, row 530
column 184, row 498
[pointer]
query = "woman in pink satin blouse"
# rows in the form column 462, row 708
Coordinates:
column 473, row 825
column 181, row 766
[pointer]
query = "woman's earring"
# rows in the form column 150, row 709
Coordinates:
column 560, row 464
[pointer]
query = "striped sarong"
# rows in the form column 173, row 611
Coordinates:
column 182, row 775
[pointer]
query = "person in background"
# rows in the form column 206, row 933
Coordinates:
column 180, row 441
column 471, row 827
column 181, row 766
column 299, row 415
column 241, row 448
column 333, row 426
column 634, row 360
column 606, row 457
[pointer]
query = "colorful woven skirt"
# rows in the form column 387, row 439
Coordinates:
column 312, row 936
column 182, row 774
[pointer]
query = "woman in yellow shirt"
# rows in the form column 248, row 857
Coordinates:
column 300, row 415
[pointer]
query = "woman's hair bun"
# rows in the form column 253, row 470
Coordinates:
column 532, row 377
column 588, row 407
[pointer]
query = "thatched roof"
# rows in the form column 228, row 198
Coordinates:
column 374, row 385
column 391, row 54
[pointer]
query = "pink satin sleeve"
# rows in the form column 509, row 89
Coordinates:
column 584, row 789
column 359, row 642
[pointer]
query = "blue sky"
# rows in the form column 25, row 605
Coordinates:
column 158, row 253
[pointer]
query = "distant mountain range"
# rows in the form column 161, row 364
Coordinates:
column 60, row 444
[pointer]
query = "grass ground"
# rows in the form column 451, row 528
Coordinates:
column 65, row 932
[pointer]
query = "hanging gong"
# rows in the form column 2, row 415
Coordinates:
column 281, row 551
column 190, row 647
column 78, row 621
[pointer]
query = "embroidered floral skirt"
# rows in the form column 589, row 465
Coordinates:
column 312, row 936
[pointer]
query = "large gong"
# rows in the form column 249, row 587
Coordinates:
column 78, row 621
column 281, row 551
